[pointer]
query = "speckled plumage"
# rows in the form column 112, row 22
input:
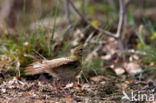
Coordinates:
column 65, row 68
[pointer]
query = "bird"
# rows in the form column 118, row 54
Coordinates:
column 64, row 68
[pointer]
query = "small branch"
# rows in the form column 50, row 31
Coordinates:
column 120, row 28
column 117, row 35
column 87, row 21
column 97, row 42
column 120, row 24
column 88, row 39
column 121, row 19
column 30, row 56
column 104, row 31
column 40, row 55
column 77, row 11
column 120, row 45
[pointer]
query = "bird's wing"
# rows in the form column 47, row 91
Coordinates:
column 50, row 66
column 55, row 63
column 64, row 68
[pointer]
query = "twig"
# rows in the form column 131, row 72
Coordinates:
column 40, row 55
column 87, row 21
column 120, row 27
column 88, row 39
column 97, row 42
column 121, row 19
column 18, row 67
column 77, row 11
column 120, row 24
column 126, row 4
column 85, row 77
column 117, row 35
column 104, row 31
column 30, row 56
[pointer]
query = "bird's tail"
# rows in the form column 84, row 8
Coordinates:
column 35, row 68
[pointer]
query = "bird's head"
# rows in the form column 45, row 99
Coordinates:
column 78, row 51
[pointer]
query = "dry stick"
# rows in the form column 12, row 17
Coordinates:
column 88, row 39
column 98, row 42
column 121, row 19
column 120, row 24
column 117, row 35
column 40, row 55
column 18, row 67
column 86, row 20
column 30, row 56
column 120, row 27
column 126, row 4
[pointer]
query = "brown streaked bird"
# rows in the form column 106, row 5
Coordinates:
column 65, row 68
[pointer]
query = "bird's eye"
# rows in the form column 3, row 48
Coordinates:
column 81, row 49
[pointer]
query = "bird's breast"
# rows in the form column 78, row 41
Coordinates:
column 68, row 71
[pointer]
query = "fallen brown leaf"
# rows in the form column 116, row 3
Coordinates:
column 133, row 68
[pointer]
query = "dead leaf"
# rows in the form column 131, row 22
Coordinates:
column 69, row 99
column 132, row 68
column 97, row 78
column 3, row 90
column 69, row 85
column 119, row 71
column 133, row 57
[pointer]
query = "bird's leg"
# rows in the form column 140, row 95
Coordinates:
column 55, row 86
column 59, row 88
column 78, row 78
column 64, row 93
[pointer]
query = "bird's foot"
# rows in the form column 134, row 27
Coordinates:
column 59, row 89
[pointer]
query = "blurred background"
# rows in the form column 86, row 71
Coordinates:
column 33, row 29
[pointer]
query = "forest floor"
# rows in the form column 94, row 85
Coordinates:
column 99, row 89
